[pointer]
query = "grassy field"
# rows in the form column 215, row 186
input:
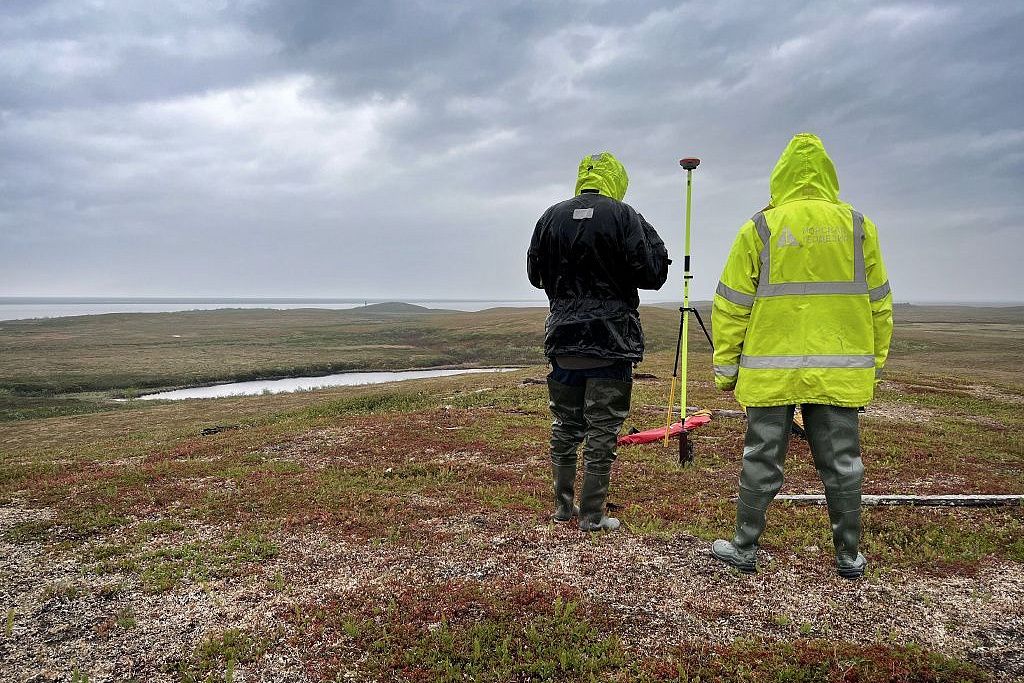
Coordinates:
column 399, row 532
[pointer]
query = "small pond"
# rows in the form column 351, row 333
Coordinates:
column 278, row 386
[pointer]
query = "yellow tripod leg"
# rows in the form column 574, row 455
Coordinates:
column 671, row 399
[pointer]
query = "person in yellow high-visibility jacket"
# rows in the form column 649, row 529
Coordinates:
column 802, row 316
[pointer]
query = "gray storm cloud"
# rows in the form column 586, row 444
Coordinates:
column 406, row 148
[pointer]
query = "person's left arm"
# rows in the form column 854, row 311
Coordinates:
column 880, row 295
column 646, row 255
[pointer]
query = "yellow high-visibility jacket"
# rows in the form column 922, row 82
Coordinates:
column 803, row 311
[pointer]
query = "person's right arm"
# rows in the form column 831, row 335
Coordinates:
column 534, row 257
column 734, row 299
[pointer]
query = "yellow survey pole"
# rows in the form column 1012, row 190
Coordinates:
column 689, row 164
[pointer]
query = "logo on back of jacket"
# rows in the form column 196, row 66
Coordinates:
column 824, row 234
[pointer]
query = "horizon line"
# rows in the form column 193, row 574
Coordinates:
column 20, row 299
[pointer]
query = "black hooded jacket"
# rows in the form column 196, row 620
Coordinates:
column 590, row 254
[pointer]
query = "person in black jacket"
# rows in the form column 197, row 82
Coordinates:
column 590, row 254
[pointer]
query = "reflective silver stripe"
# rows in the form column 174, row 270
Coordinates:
column 727, row 370
column 762, row 227
column 784, row 288
column 796, row 362
column 761, row 224
column 858, row 248
column 730, row 294
column 858, row 285
column 879, row 292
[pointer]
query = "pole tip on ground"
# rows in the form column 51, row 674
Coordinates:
column 689, row 163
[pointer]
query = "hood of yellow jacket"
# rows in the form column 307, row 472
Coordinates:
column 804, row 171
column 604, row 173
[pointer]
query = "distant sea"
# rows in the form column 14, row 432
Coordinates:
column 18, row 308
column 23, row 307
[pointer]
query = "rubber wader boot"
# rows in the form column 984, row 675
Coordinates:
column 741, row 553
column 605, row 407
column 565, row 486
column 833, row 433
column 844, row 514
column 595, row 491
column 764, row 455
column 567, row 431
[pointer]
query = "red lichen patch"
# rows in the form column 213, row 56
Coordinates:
column 809, row 660
column 357, row 475
column 191, row 449
column 315, row 449
column 944, row 541
column 395, row 475
column 662, row 595
column 491, row 630
column 637, row 601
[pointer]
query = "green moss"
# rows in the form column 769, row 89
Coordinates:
column 161, row 569
column 91, row 520
column 364, row 405
column 559, row 646
column 28, row 532
column 502, row 631
column 463, row 631
column 214, row 660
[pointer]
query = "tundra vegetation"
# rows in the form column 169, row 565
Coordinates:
column 399, row 532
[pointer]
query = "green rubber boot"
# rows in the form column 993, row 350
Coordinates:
column 605, row 407
column 565, row 484
column 764, row 455
column 592, row 498
column 833, row 433
column 567, row 431
column 844, row 514
column 741, row 552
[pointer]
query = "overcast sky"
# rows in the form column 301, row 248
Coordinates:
column 406, row 149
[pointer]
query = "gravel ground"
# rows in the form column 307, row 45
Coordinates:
column 663, row 593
